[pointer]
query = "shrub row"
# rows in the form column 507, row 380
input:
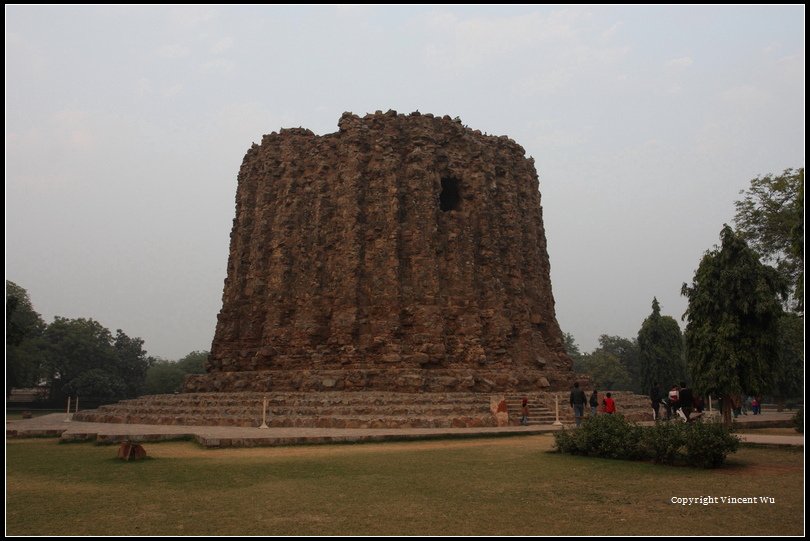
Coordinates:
column 701, row 444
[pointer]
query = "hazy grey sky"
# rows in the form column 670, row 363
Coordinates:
column 126, row 126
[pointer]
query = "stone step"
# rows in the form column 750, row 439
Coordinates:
column 539, row 413
column 255, row 408
column 330, row 421
column 295, row 409
column 370, row 409
column 303, row 398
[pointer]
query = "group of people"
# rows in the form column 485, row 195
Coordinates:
column 678, row 401
column 578, row 399
column 740, row 406
column 753, row 403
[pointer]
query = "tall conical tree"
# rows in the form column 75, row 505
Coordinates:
column 732, row 333
column 660, row 345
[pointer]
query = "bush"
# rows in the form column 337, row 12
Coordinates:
column 798, row 421
column 608, row 436
column 708, row 444
column 612, row 436
column 700, row 444
column 566, row 441
column 664, row 442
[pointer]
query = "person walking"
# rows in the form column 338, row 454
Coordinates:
column 685, row 400
column 672, row 401
column 655, row 399
column 593, row 402
column 609, row 404
column 577, row 399
column 524, row 410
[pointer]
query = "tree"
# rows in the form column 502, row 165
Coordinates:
column 660, row 345
column 167, row 377
column 573, row 351
column 22, row 321
column 770, row 217
column 612, row 365
column 164, row 377
column 131, row 363
column 607, row 371
column 72, row 347
column 733, row 314
column 23, row 328
column 194, row 362
column 626, row 352
column 788, row 375
column 96, row 384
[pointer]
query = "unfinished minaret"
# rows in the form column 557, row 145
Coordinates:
column 403, row 253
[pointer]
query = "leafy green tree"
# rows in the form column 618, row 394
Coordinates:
column 24, row 326
column 194, row 362
column 97, row 384
column 22, row 321
column 164, row 377
column 75, row 346
column 770, row 217
column 167, row 377
column 627, row 353
column 606, row 371
column 131, row 363
column 81, row 355
column 733, row 315
column 611, row 366
column 660, row 345
column 573, row 351
column 788, row 375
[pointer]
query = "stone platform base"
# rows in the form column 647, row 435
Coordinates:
column 342, row 409
column 435, row 380
column 319, row 409
column 326, row 410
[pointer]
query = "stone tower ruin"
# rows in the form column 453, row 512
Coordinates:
column 403, row 253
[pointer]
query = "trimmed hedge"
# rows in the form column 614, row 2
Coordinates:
column 700, row 444
column 664, row 442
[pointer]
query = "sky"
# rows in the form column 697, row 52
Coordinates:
column 125, row 128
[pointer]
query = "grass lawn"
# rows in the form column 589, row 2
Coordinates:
column 467, row 487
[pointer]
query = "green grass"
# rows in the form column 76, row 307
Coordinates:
column 506, row 486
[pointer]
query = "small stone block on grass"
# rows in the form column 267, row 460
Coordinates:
column 131, row 451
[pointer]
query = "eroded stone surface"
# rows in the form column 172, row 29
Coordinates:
column 401, row 253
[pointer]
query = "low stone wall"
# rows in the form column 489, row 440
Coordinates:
column 322, row 409
column 371, row 379
column 342, row 409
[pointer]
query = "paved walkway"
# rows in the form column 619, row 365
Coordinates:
column 55, row 425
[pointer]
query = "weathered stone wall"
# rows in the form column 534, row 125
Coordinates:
column 350, row 268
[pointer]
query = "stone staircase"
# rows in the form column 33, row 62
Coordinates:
column 539, row 412
column 290, row 409
column 632, row 406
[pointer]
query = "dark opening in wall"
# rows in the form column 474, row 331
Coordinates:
column 449, row 199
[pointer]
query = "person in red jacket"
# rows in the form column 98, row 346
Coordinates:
column 609, row 404
column 524, row 411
